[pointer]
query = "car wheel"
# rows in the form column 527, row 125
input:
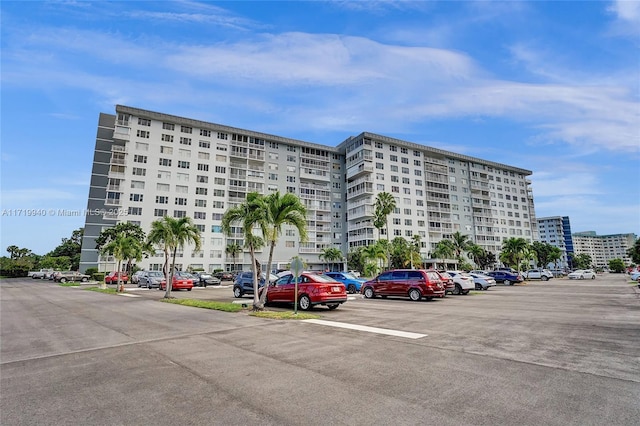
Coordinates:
column 478, row 287
column 429, row 299
column 593, row 277
column 351, row 289
column 188, row 289
column 457, row 290
column 544, row 278
column 465, row 292
column 149, row 286
column 333, row 306
column 304, row 302
column 507, row 282
column 237, row 292
column 368, row 293
column 63, row 280
column 414, row 294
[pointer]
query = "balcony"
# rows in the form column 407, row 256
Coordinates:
column 359, row 169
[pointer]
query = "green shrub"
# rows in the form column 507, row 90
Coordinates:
column 98, row 276
column 91, row 271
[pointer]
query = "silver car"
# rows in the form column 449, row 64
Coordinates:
column 150, row 279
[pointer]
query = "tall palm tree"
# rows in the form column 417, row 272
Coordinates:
column 122, row 247
column 170, row 234
column 476, row 253
column 414, row 251
column 282, row 210
column 460, row 244
column 250, row 214
column 233, row 250
column 384, row 205
column 374, row 253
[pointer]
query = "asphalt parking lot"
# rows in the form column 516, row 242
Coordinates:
column 561, row 352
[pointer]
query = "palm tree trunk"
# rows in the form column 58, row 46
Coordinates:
column 263, row 296
column 169, row 275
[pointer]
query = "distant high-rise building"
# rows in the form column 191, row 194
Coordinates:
column 556, row 231
column 148, row 165
column 603, row 248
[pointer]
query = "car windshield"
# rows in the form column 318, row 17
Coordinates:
column 324, row 279
column 155, row 274
column 349, row 276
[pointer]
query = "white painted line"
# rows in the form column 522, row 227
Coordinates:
column 244, row 302
column 127, row 295
column 377, row 330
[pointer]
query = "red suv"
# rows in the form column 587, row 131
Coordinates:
column 414, row 283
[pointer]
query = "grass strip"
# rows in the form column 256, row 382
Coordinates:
column 102, row 290
column 69, row 284
column 206, row 304
column 284, row 315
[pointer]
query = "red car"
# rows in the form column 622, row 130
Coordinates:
column 447, row 279
column 179, row 283
column 112, row 278
column 313, row 289
column 414, row 283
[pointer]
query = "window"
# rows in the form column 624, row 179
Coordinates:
column 137, row 171
column 218, row 192
column 224, row 136
column 186, row 129
column 203, row 155
column 168, row 126
column 199, row 215
column 142, row 146
column 139, row 158
column 161, row 199
column 137, row 184
column 179, row 214
column 183, row 177
column 203, row 167
column 379, row 155
column 180, row 201
column 164, row 162
column 135, row 211
column 143, row 134
column 135, row 197
column 393, row 158
column 163, row 187
column 166, row 138
column 185, row 141
column 160, row 212
column 166, row 150
column 204, row 132
column 201, row 191
column 380, row 166
column 181, row 189
column 202, row 179
column 201, row 203
column 183, row 164
column 220, row 169
column 219, row 181
column 204, row 144
column 144, row 122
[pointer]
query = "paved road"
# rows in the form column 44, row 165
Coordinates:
column 556, row 353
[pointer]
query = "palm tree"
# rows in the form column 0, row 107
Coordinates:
column 122, row 247
column 414, row 251
column 233, row 250
column 281, row 210
column 384, row 205
column 476, row 252
column 460, row 244
column 374, row 253
column 512, row 251
column 331, row 255
column 444, row 250
column 170, row 234
column 250, row 214
column 13, row 251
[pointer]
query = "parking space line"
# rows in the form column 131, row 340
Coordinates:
column 127, row 295
column 368, row 329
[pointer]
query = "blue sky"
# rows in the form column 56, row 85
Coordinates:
column 551, row 87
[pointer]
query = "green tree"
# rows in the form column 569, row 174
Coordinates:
column 513, row 251
column 122, row 247
column 582, row 261
column 233, row 250
column 460, row 244
column 384, row 205
column 476, row 253
column 633, row 252
column 356, row 260
column 170, row 234
column 331, row 255
column 544, row 253
column 374, row 255
column 282, row 210
column 616, row 265
column 128, row 230
column 13, row 252
column 70, row 247
column 249, row 215
column 444, row 250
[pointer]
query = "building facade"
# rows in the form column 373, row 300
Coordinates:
column 603, row 248
column 556, row 231
column 148, row 165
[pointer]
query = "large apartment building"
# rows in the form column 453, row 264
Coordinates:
column 556, row 231
column 603, row 248
column 148, row 165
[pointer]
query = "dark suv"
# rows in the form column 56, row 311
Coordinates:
column 412, row 283
column 244, row 283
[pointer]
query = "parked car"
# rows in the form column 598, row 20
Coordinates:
column 447, row 279
column 355, row 273
column 635, row 276
column 557, row 273
column 244, row 283
column 350, row 281
column 41, row 274
column 150, row 279
column 539, row 274
column 506, row 277
column 482, row 281
column 581, row 274
column 64, row 276
column 135, row 278
column 463, row 282
column 313, row 289
column 112, row 277
column 203, row 279
column 223, row 276
column 412, row 283
column 181, row 281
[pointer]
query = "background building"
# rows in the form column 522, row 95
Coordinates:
column 603, row 248
column 148, row 165
column 556, row 231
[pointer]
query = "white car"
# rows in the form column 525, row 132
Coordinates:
column 582, row 274
column 635, row 276
column 463, row 282
column 538, row 274
column 482, row 281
